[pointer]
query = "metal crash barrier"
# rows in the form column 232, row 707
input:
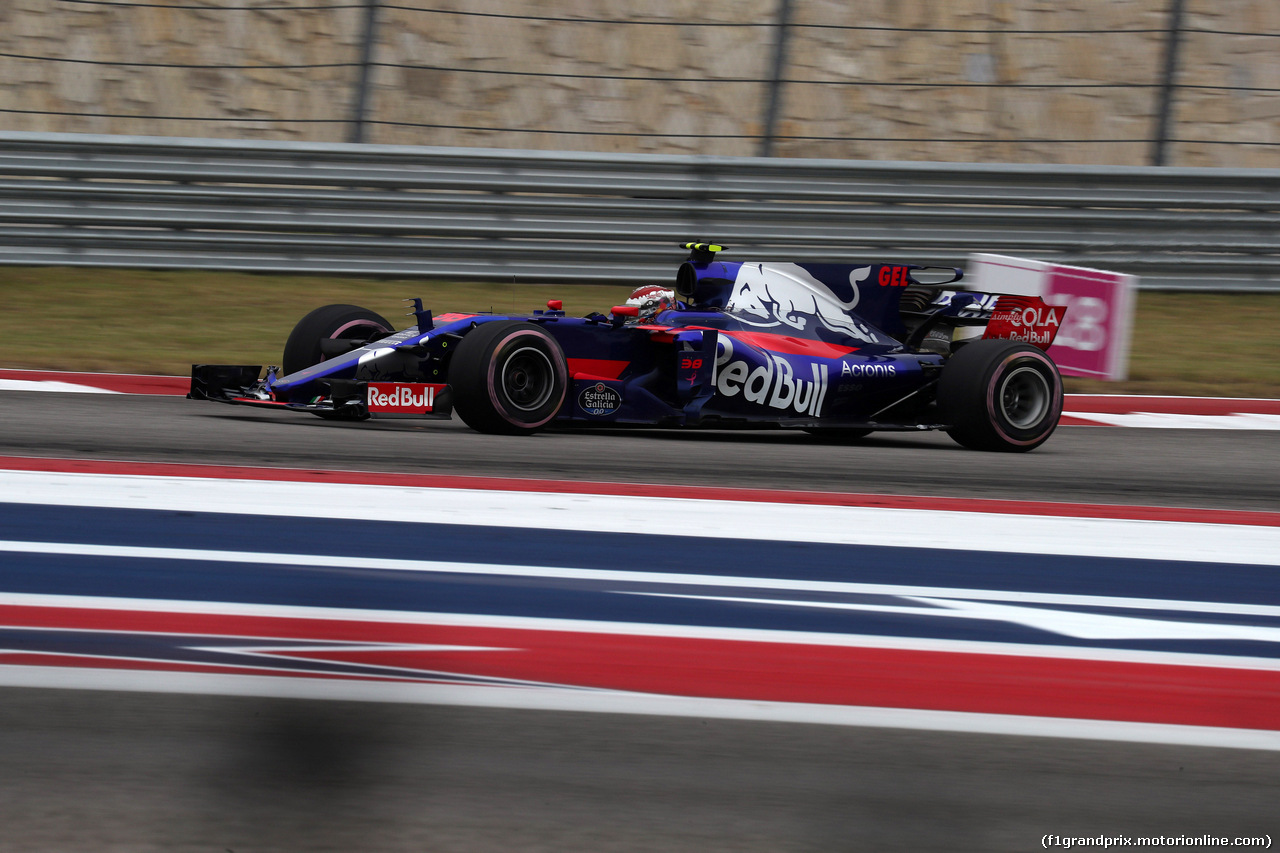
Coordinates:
column 507, row 215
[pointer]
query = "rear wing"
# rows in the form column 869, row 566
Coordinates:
column 1000, row 315
column 1025, row 318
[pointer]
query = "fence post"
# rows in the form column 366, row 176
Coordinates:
column 1165, row 111
column 775, row 79
column 361, row 99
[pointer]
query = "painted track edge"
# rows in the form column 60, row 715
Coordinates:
column 621, row 702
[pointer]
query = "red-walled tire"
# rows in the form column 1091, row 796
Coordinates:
column 330, row 322
column 508, row 377
column 349, row 323
column 1000, row 395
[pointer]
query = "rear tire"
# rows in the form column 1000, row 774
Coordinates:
column 330, row 322
column 508, row 377
column 1000, row 395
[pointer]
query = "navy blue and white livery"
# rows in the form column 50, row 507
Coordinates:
column 844, row 349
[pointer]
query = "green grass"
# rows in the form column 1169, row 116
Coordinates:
column 141, row 321
column 1201, row 345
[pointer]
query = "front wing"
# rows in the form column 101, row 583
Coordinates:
column 348, row 399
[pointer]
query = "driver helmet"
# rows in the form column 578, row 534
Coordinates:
column 652, row 299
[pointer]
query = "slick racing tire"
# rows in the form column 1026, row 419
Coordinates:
column 339, row 323
column 1000, row 395
column 306, row 343
column 508, row 377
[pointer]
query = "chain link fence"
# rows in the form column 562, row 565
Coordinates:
column 1138, row 82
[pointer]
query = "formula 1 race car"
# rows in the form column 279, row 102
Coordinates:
column 837, row 349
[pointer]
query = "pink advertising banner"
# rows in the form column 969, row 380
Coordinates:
column 1094, row 339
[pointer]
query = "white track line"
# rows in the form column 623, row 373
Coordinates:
column 51, row 386
column 620, row 702
column 839, row 525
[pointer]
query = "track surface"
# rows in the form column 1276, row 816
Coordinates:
column 1231, row 469
column 97, row 771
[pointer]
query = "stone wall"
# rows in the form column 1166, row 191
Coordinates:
column 867, row 79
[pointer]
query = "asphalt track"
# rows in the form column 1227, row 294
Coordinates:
column 110, row 771
column 1230, row 469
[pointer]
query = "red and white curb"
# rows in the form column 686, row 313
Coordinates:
column 1149, row 412
column 91, row 383
column 1171, row 412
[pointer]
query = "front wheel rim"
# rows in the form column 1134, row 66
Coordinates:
column 1025, row 397
column 527, row 379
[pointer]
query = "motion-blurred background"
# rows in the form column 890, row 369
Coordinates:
column 1122, row 82
column 221, row 240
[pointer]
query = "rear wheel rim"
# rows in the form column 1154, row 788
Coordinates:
column 1025, row 397
column 528, row 379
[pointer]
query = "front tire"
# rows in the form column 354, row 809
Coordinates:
column 337, row 323
column 336, row 327
column 1000, row 395
column 508, row 377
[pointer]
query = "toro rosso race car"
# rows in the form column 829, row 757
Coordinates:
column 837, row 349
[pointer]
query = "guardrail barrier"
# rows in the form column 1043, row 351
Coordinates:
column 497, row 214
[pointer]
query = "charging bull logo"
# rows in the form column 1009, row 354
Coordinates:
column 773, row 383
column 787, row 295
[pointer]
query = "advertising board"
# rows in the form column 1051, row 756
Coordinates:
column 1094, row 339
